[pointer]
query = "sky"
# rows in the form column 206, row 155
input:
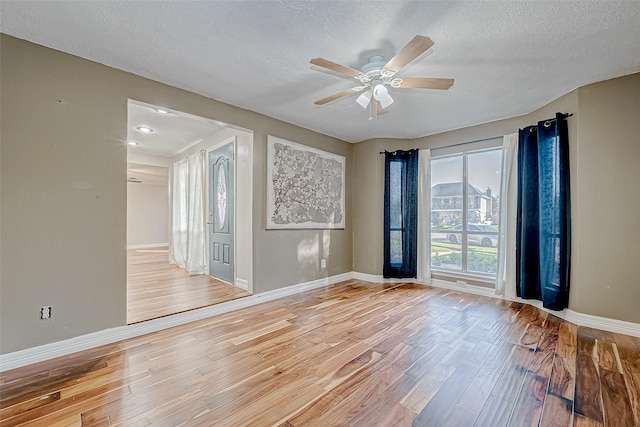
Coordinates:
column 484, row 170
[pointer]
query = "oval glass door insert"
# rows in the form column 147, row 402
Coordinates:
column 222, row 196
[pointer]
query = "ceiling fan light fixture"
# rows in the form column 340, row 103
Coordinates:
column 380, row 93
column 386, row 101
column 364, row 99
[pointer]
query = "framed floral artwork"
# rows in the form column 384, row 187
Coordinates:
column 305, row 186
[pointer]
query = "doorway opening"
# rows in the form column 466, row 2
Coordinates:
column 159, row 139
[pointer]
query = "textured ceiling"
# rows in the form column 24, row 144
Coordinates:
column 508, row 58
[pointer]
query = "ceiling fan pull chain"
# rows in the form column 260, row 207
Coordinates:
column 372, row 115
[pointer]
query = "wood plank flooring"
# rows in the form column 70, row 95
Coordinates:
column 156, row 288
column 352, row 354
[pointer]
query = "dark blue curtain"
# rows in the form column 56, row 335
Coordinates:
column 543, row 234
column 400, row 214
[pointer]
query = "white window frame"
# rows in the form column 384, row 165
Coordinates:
column 464, row 150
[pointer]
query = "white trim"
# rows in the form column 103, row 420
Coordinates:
column 379, row 279
column 242, row 284
column 41, row 353
column 472, row 289
column 148, row 245
column 436, row 283
column 586, row 320
column 61, row 348
column 604, row 323
column 368, row 277
column 580, row 319
column 148, row 159
column 340, row 278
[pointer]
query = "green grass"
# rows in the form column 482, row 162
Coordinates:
column 476, row 261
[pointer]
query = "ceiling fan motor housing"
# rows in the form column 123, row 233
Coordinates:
column 373, row 67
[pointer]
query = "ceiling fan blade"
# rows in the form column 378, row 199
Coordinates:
column 325, row 63
column 425, row 83
column 416, row 47
column 335, row 96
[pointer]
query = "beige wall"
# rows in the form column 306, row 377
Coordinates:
column 147, row 214
column 63, row 188
column 606, row 215
column 605, row 195
column 63, row 213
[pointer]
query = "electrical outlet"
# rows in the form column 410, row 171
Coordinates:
column 323, row 263
column 45, row 312
column 461, row 283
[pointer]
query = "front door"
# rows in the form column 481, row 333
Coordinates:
column 221, row 212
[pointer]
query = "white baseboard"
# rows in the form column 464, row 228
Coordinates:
column 148, row 246
column 108, row 336
column 471, row 289
column 604, row 323
column 580, row 319
column 368, row 277
column 479, row 290
column 302, row 287
column 373, row 278
column 242, row 284
column 340, row 278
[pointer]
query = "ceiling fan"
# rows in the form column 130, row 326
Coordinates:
column 376, row 75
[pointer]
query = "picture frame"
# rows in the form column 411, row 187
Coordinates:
column 305, row 187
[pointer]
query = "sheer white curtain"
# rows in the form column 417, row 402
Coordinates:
column 506, row 277
column 187, row 246
column 179, row 227
column 424, row 216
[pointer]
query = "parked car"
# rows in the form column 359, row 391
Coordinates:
column 486, row 240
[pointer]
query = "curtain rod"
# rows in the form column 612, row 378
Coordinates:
column 565, row 115
column 454, row 145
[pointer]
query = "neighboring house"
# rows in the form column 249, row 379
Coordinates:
column 446, row 204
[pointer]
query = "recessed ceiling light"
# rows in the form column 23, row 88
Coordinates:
column 144, row 129
column 161, row 111
column 133, row 142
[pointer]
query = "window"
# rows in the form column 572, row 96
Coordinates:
column 400, row 214
column 395, row 219
column 465, row 191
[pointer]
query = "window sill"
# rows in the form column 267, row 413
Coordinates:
column 471, row 279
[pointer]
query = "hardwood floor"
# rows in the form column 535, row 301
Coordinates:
column 156, row 288
column 353, row 354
